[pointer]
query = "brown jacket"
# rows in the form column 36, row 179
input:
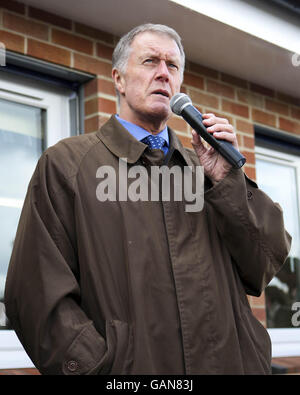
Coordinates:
column 123, row 287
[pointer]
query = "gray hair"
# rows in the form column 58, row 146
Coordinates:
column 122, row 50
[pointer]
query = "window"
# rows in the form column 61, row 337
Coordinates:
column 21, row 144
column 278, row 174
column 34, row 115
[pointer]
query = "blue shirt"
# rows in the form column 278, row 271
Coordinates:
column 140, row 133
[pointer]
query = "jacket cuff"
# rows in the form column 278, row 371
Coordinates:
column 234, row 180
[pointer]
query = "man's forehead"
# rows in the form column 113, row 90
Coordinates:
column 155, row 43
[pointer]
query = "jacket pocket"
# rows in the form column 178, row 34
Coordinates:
column 119, row 338
column 86, row 354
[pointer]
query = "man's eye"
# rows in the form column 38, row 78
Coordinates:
column 173, row 66
column 148, row 61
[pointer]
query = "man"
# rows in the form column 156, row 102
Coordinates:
column 120, row 286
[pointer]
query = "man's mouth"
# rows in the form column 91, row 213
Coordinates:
column 161, row 92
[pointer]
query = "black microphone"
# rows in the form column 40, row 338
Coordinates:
column 182, row 105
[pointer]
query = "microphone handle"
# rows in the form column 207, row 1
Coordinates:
column 194, row 118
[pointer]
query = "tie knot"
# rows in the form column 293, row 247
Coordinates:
column 154, row 142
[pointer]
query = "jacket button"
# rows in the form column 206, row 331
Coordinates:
column 249, row 195
column 72, row 366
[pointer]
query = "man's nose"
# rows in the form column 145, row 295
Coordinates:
column 162, row 71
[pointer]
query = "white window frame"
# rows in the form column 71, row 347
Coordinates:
column 285, row 341
column 55, row 100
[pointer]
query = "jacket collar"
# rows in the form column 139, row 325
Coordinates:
column 123, row 145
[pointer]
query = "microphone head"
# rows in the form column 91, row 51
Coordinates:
column 178, row 102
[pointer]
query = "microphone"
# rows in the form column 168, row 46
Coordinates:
column 182, row 105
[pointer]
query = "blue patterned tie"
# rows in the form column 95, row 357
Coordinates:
column 154, row 142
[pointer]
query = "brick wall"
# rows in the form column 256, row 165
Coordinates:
column 46, row 36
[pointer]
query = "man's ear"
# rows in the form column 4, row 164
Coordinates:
column 119, row 80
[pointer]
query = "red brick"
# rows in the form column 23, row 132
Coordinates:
column 262, row 90
column 249, row 155
column 91, row 65
column 103, row 51
column 107, row 87
column 258, row 301
column 250, row 98
column 239, row 140
column 220, row 89
column 94, row 33
column 48, row 52
column 99, row 85
column 277, row 107
column 12, row 41
column 99, row 104
column 244, row 126
column 108, row 106
column 91, row 124
column 102, row 120
column 178, row 124
column 289, row 126
column 292, row 364
column 193, row 80
column 25, row 26
column 234, row 80
column 197, row 68
column 263, row 117
column 251, row 172
column 91, row 87
column 49, row 18
column 295, row 113
column 72, row 41
column 12, row 5
column 91, row 106
column 204, row 99
column 94, row 123
column 186, row 141
column 235, row 108
column 19, row 372
column 288, row 99
column 249, row 142
column 260, row 314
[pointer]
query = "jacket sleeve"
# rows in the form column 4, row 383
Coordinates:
column 42, row 294
column 252, row 227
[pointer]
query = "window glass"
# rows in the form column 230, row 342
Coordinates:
column 279, row 180
column 21, row 144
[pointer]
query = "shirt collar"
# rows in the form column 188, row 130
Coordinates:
column 122, row 144
column 140, row 133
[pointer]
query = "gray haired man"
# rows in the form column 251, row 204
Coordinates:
column 143, row 287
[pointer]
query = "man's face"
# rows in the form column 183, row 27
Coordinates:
column 152, row 77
